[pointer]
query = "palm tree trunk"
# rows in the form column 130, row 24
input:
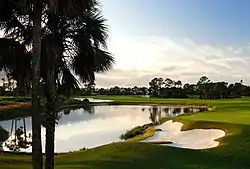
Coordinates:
column 37, row 160
column 50, row 115
column 50, row 137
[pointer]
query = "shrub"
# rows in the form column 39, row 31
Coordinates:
column 135, row 131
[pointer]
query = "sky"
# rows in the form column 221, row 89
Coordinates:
column 177, row 39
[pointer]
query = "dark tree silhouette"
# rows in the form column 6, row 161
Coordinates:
column 71, row 38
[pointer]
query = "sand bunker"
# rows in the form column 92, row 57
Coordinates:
column 191, row 139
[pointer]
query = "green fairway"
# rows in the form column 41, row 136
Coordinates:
column 232, row 115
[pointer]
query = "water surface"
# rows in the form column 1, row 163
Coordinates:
column 99, row 125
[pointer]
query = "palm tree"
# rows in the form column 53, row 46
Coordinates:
column 71, row 42
column 78, row 47
column 36, row 121
column 12, row 12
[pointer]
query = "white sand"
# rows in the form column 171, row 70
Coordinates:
column 191, row 139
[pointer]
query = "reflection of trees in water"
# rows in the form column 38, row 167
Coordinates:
column 3, row 134
column 89, row 109
column 66, row 111
column 203, row 109
column 177, row 111
column 187, row 109
column 194, row 109
column 18, row 138
column 155, row 114
column 166, row 110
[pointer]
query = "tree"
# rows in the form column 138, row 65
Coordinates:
column 90, row 88
column 36, row 119
column 178, row 83
column 168, row 83
column 115, row 90
column 235, row 89
column 144, row 90
column 155, row 85
column 12, row 12
column 160, row 82
column 82, row 38
column 203, row 80
column 75, row 28
column 220, row 90
column 203, row 87
column 190, row 89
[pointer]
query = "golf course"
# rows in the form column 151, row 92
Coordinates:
column 230, row 115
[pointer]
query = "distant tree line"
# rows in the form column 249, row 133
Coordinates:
column 168, row 88
column 116, row 90
column 158, row 87
column 204, row 89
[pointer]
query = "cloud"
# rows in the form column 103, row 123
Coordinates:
column 140, row 59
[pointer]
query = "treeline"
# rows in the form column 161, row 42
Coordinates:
column 168, row 88
column 207, row 89
column 204, row 89
column 90, row 90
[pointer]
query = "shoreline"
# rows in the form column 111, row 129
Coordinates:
column 171, row 132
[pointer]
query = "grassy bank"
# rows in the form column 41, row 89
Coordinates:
column 232, row 115
column 139, row 133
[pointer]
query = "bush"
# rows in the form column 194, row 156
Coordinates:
column 23, row 99
column 75, row 101
column 136, row 131
column 61, row 99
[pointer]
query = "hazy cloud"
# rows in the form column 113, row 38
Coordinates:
column 140, row 59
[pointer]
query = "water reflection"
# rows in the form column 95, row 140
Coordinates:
column 155, row 114
column 94, row 126
column 66, row 111
column 18, row 138
column 159, row 112
column 4, row 134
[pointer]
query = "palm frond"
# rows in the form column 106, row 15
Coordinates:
column 10, row 50
column 15, row 61
column 97, row 29
column 69, row 83
column 6, row 10
column 70, row 8
column 73, row 27
column 103, row 61
column 85, row 66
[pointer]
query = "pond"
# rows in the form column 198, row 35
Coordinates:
column 99, row 125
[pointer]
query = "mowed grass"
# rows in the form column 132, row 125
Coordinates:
column 232, row 115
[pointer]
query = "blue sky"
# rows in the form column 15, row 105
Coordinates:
column 211, row 21
column 190, row 30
